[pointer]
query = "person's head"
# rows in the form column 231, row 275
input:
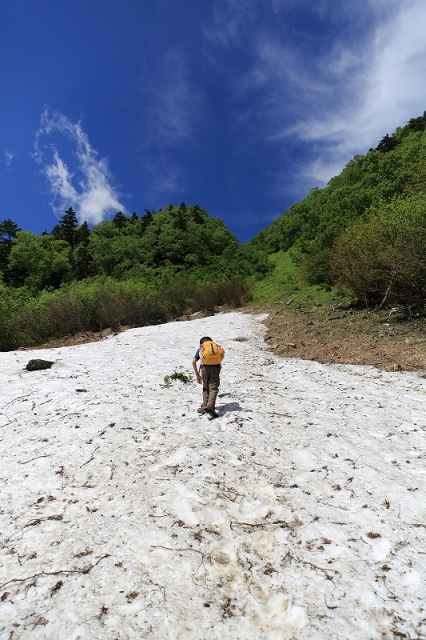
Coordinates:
column 205, row 339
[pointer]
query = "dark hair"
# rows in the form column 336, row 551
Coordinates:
column 205, row 339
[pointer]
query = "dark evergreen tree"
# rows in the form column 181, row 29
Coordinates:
column 67, row 228
column 386, row 144
column 81, row 259
column 197, row 214
column 416, row 124
column 119, row 220
column 180, row 218
column 83, row 234
column 8, row 231
column 146, row 220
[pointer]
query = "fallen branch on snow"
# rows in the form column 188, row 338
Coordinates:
column 55, row 573
column 36, row 458
column 90, row 459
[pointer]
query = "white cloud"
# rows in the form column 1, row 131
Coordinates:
column 386, row 93
column 229, row 19
column 89, row 190
column 359, row 93
column 8, row 156
column 172, row 109
column 342, row 101
column 173, row 104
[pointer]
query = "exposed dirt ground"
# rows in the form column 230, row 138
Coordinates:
column 382, row 339
column 69, row 341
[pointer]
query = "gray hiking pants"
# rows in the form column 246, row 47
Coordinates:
column 210, row 374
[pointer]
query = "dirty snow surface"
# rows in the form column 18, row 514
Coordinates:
column 298, row 513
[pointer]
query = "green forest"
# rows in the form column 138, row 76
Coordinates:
column 128, row 271
column 365, row 232
column 363, row 235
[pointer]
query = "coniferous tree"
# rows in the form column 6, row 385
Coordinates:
column 119, row 220
column 8, row 231
column 83, row 234
column 67, row 228
column 81, row 256
column 180, row 218
column 146, row 220
column 386, row 144
column 198, row 216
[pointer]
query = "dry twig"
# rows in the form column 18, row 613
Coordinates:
column 36, row 458
column 55, row 573
column 90, row 459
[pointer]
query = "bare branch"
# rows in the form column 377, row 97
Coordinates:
column 55, row 573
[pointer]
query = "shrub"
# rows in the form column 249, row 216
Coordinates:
column 95, row 304
column 235, row 292
column 11, row 333
column 382, row 258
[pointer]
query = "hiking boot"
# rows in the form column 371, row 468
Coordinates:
column 210, row 409
column 201, row 409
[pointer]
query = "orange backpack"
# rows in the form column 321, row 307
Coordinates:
column 211, row 353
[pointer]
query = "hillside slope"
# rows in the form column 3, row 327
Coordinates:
column 336, row 335
column 366, row 230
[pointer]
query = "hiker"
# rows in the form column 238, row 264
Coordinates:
column 210, row 356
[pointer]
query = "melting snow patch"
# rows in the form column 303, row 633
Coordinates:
column 299, row 513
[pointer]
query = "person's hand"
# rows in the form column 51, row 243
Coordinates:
column 199, row 378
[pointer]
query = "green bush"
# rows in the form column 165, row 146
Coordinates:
column 382, row 258
column 12, row 335
column 99, row 303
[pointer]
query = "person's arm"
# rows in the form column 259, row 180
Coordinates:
column 222, row 353
column 196, row 371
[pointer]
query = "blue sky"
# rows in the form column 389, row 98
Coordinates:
column 240, row 106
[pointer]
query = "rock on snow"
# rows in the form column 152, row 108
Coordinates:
column 299, row 513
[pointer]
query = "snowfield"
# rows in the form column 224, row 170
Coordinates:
column 300, row 513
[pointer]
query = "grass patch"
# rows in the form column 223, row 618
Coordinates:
column 177, row 375
column 284, row 284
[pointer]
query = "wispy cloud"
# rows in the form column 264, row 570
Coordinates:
column 339, row 100
column 8, row 157
column 88, row 189
column 387, row 88
column 172, row 103
column 172, row 109
column 231, row 18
